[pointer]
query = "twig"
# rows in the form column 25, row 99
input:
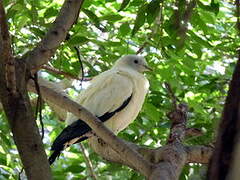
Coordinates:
column 154, row 31
column 193, row 132
column 39, row 104
column 81, row 64
column 6, row 52
column 88, row 162
column 141, row 48
column 66, row 74
column 183, row 16
column 20, row 172
column 172, row 95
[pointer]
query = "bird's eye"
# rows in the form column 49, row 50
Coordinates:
column 136, row 61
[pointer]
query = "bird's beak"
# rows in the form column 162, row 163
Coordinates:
column 147, row 68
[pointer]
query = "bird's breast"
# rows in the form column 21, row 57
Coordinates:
column 123, row 118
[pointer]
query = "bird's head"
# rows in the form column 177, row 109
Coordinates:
column 137, row 63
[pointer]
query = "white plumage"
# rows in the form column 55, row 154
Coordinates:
column 110, row 89
column 117, row 94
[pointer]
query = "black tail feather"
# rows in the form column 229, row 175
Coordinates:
column 56, row 153
column 77, row 130
column 53, row 157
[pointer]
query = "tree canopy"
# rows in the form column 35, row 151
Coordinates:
column 191, row 46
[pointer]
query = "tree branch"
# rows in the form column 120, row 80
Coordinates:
column 134, row 158
column 182, row 16
column 67, row 75
column 16, row 104
column 57, row 34
column 199, row 154
column 228, row 128
column 88, row 162
column 6, row 52
column 57, row 71
column 174, row 155
column 222, row 163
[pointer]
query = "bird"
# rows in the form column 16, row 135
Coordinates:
column 115, row 97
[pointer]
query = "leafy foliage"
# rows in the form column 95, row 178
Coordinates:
column 197, row 62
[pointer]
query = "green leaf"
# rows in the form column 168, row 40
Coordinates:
column 152, row 10
column 22, row 21
column 78, row 40
column 140, row 19
column 5, row 139
column 50, row 12
column 213, row 7
column 93, row 17
column 111, row 17
column 151, row 111
column 74, row 169
column 124, row 29
column 208, row 17
column 114, row 43
column 200, row 40
column 38, row 31
column 123, row 5
column 197, row 49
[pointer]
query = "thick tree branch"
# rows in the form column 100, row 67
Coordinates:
column 6, row 52
column 222, row 162
column 234, row 170
column 194, row 154
column 199, row 154
column 174, row 158
column 228, row 128
column 57, row 34
column 24, row 128
column 174, row 155
column 134, row 158
column 59, row 87
column 16, row 104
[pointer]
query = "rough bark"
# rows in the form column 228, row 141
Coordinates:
column 223, row 163
column 16, row 104
column 24, row 128
column 228, row 128
column 6, row 51
column 14, row 75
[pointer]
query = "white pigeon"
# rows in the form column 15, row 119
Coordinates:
column 115, row 96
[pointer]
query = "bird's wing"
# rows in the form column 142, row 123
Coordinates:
column 106, row 93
